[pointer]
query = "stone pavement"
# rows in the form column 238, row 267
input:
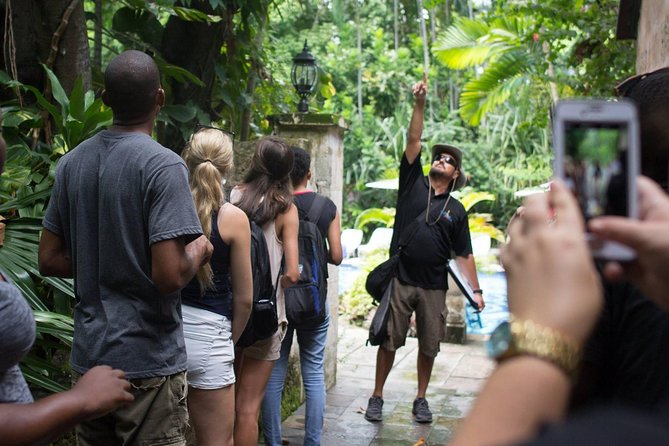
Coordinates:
column 458, row 375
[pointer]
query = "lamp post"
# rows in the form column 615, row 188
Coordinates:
column 304, row 77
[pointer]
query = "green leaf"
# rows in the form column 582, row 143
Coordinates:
column 193, row 15
column 385, row 216
column 181, row 113
column 77, row 100
column 58, row 92
column 328, row 90
column 179, row 74
column 35, row 376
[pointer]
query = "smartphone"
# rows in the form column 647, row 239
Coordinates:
column 596, row 144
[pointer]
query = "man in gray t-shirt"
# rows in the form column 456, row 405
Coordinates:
column 121, row 221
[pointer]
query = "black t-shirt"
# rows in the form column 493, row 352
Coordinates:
column 423, row 261
column 303, row 201
column 627, row 353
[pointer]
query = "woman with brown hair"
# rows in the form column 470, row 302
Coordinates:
column 266, row 197
column 222, row 289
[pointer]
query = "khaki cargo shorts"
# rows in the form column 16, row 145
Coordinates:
column 430, row 309
column 158, row 416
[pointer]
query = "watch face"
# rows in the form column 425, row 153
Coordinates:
column 499, row 341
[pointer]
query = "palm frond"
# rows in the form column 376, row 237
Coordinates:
column 385, row 216
column 472, row 198
column 506, row 76
column 460, row 47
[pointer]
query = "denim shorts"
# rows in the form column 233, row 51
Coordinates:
column 211, row 353
column 267, row 349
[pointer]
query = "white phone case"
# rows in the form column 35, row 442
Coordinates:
column 598, row 113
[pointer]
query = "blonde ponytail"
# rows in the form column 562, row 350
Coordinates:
column 208, row 156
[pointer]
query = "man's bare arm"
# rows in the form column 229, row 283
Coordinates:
column 335, row 252
column 416, row 125
column 98, row 392
column 53, row 257
column 173, row 264
column 468, row 266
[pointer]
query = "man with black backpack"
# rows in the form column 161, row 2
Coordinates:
column 306, row 306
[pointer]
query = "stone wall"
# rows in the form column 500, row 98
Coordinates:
column 653, row 36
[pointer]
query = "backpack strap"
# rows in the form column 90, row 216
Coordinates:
column 316, row 208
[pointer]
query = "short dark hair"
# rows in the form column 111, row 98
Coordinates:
column 651, row 95
column 132, row 80
column 301, row 164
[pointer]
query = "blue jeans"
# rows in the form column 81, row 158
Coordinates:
column 312, row 357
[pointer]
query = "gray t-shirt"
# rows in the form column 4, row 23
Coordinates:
column 17, row 334
column 114, row 196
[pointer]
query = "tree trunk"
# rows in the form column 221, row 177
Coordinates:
column 426, row 46
column 40, row 34
column 359, row 38
column 97, row 37
column 194, row 46
column 395, row 28
column 433, row 38
column 256, row 65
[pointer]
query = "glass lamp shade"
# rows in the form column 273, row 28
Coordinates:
column 304, row 76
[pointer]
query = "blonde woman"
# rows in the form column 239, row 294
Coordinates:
column 222, row 289
column 266, row 197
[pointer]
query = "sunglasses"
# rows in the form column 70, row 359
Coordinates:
column 199, row 127
column 445, row 157
column 624, row 88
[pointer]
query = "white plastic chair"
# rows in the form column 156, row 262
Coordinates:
column 380, row 238
column 350, row 240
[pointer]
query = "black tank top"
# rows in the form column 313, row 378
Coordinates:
column 218, row 299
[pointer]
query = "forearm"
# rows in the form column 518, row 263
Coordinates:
column 40, row 422
column 416, row 123
column 53, row 256
column 57, row 266
column 241, row 311
column 468, row 267
column 415, row 130
column 521, row 395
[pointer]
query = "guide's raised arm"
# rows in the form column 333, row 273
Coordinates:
column 419, row 91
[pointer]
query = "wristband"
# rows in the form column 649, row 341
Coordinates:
column 478, row 291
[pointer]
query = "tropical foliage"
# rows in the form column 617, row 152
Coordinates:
column 494, row 68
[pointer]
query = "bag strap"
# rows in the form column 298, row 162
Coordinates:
column 316, row 208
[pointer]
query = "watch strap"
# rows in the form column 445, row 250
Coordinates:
column 545, row 343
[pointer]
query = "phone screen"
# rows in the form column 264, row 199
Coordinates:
column 595, row 167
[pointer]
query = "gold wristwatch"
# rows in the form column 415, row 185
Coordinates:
column 524, row 337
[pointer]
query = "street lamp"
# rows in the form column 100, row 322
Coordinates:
column 304, row 77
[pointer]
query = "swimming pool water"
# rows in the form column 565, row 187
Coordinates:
column 496, row 307
column 492, row 284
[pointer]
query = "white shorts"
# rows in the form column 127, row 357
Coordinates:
column 211, row 353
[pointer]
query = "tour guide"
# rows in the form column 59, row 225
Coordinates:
column 422, row 279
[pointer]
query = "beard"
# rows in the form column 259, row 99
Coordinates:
column 437, row 174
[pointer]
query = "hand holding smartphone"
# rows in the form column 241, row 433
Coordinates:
column 596, row 144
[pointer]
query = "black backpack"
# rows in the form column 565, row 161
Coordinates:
column 263, row 321
column 306, row 300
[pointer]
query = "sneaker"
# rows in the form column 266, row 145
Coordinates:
column 374, row 410
column 421, row 411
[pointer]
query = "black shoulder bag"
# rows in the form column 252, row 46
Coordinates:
column 380, row 277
